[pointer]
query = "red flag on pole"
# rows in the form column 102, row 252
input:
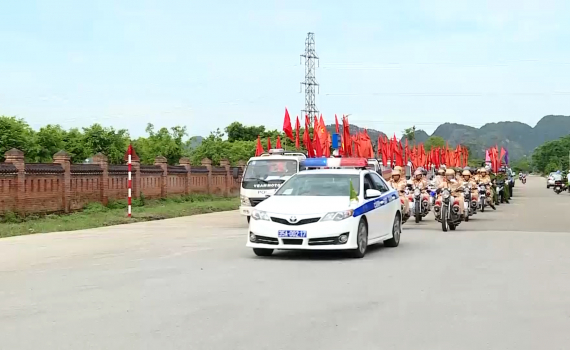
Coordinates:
column 297, row 132
column 259, row 147
column 278, row 144
column 287, row 125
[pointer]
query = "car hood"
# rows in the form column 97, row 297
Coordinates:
column 304, row 205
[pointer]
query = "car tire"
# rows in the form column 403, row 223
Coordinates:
column 361, row 240
column 262, row 251
column 396, row 233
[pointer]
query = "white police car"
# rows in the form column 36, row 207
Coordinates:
column 317, row 210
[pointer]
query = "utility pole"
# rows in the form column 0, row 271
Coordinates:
column 310, row 82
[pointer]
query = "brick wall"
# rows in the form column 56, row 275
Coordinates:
column 60, row 186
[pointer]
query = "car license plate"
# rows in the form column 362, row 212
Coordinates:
column 292, row 233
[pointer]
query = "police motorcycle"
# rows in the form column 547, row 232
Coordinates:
column 432, row 190
column 419, row 205
column 482, row 190
column 470, row 204
column 448, row 211
column 500, row 190
column 523, row 178
column 559, row 186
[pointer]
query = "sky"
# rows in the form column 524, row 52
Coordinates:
column 205, row 64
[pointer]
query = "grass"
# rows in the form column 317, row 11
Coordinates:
column 97, row 215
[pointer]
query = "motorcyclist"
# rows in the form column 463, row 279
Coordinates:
column 440, row 176
column 399, row 184
column 502, row 176
column 468, row 179
column 451, row 182
column 485, row 179
column 419, row 181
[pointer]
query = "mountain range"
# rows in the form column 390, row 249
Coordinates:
column 518, row 138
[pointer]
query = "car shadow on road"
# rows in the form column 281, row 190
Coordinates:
column 321, row 255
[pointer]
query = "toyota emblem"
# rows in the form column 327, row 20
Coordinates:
column 293, row 219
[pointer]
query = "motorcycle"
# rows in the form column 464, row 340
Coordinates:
column 419, row 207
column 523, row 180
column 432, row 190
column 558, row 187
column 447, row 211
column 482, row 196
column 467, row 211
column 499, row 187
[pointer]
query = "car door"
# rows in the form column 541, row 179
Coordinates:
column 373, row 215
column 387, row 211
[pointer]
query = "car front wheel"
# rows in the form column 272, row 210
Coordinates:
column 361, row 240
column 396, row 233
column 262, row 251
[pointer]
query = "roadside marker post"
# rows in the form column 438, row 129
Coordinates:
column 130, row 180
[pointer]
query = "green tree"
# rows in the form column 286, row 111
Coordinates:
column 434, row 141
column 410, row 134
column 50, row 139
column 522, row 164
column 164, row 142
column 16, row 133
column 113, row 143
column 552, row 155
column 75, row 145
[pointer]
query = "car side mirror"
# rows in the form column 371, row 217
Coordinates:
column 235, row 173
column 371, row 193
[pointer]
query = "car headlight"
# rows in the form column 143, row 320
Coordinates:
column 260, row 215
column 244, row 200
column 338, row 215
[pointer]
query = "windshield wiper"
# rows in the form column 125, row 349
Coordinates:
column 256, row 178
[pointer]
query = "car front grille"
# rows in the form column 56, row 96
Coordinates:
column 300, row 222
column 293, row 241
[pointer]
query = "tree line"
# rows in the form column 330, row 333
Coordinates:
column 237, row 143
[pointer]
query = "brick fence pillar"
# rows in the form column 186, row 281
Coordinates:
column 16, row 158
column 162, row 162
column 64, row 159
column 226, row 164
column 101, row 159
column 208, row 164
column 185, row 162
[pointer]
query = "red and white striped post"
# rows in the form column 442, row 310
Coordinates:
column 130, row 179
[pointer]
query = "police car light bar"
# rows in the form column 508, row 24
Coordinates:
column 334, row 162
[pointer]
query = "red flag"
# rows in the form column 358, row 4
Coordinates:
column 259, row 147
column 317, row 144
column 278, row 144
column 336, row 124
column 268, row 143
column 287, row 125
column 307, row 139
column 297, row 131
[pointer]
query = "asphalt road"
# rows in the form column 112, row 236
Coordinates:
column 501, row 281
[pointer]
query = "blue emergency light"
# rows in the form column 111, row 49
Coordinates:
column 334, row 162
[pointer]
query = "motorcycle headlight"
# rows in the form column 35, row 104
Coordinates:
column 260, row 215
column 417, row 192
column 338, row 215
column 244, row 200
column 446, row 194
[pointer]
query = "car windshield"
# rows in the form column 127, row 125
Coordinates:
column 320, row 185
column 270, row 169
column 557, row 177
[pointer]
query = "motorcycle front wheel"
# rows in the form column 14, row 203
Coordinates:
column 444, row 223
